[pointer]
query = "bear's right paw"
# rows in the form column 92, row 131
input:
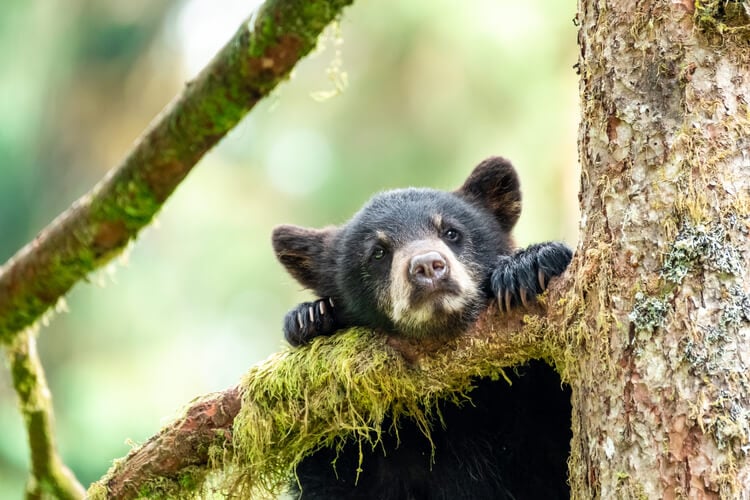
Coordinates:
column 517, row 279
column 309, row 320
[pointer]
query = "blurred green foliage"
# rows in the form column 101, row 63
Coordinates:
column 434, row 87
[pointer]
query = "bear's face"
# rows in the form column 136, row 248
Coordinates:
column 414, row 262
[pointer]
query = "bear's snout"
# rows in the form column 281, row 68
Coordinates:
column 427, row 268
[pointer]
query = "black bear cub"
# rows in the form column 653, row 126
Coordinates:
column 423, row 263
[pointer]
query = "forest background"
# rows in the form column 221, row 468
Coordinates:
column 403, row 93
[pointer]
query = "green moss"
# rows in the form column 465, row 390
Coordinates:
column 722, row 16
column 100, row 225
column 130, row 201
column 338, row 389
column 341, row 388
column 303, row 19
column 186, row 485
column 65, row 264
column 53, row 280
column 189, row 481
column 96, row 491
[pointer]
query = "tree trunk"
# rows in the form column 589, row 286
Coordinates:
column 660, row 332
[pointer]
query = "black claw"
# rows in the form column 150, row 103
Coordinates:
column 309, row 320
column 518, row 278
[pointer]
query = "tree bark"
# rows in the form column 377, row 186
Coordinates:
column 180, row 456
column 660, row 324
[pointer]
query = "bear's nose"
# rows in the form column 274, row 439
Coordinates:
column 427, row 267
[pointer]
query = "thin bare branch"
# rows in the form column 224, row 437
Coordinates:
column 49, row 476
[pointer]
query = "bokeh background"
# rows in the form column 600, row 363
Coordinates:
column 434, row 86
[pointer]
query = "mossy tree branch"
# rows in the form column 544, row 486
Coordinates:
column 251, row 437
column 49, row 476
column 99, row 225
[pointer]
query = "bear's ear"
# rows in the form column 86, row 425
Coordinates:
column 494, row 185
column 303, row 252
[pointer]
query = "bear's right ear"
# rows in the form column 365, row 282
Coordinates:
column 494, row 184
column 302, row 251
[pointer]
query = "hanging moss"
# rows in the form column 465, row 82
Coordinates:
column 337, row 389
column 342, row 388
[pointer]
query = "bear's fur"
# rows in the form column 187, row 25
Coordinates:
column 423, row 263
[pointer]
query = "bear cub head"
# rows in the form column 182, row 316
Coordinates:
column 412, row 262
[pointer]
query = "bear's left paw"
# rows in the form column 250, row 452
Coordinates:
column 309, row 320
column 519, row 278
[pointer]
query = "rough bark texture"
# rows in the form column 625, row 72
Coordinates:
column 180, row 455
column 660, row 351
column 99, row 225
column 651, row 326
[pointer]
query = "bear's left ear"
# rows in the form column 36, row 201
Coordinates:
column 303, row 251
column 494, row 185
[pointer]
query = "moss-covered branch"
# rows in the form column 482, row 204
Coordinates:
column 49, row 476
column 100, row 224
column 247, row 441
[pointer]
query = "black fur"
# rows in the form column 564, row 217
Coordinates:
column 310, row 319
column 494, row 185
column 514, row 440
column 479, row 453
column 527, row 272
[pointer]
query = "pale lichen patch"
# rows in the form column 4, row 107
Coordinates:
column 735, row 310
column 704, row 246
column 649, row 313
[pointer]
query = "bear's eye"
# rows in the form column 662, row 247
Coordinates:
column 451, row 235
column 378, row 253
